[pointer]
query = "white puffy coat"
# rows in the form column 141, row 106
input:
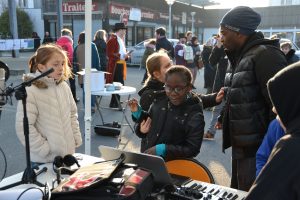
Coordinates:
column 52, row 116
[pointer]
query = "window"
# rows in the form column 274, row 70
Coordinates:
column 129, row 36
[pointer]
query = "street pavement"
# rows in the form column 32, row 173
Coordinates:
column 211, row 151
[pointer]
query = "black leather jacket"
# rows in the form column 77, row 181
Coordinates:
column 247, row 112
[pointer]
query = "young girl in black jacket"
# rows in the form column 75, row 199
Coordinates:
column 173, row 127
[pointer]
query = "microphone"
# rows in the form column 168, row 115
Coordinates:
column 28, row 83
column 46, row 73
column 49, row 71
column 70, row 160
column 2, row 87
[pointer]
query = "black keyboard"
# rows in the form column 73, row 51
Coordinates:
column 192, row 189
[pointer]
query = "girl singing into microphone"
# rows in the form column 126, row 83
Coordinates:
column 51, row 109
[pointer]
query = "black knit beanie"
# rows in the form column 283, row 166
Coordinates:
column 241, row 19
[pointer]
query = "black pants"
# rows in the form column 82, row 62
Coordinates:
column 145, row 76
column 118, row 77
column 243, row 173
column 73, row 87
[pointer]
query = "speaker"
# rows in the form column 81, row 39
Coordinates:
column 108, row 129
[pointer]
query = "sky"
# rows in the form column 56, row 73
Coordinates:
column 233, row 3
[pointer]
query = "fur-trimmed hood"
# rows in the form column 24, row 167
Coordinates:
column 41, row 83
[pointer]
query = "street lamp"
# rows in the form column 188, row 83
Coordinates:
column 193, row 21
column 170, row 3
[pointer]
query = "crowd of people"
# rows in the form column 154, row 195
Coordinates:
column 251, row 84
column 240, row 63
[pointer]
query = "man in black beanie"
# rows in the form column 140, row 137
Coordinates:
column 247, row 112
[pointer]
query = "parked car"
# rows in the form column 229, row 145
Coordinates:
column 138, row 51
column 294, row 46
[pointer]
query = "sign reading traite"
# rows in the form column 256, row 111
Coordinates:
column 77, row 7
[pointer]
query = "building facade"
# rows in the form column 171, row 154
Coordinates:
column 143, row 17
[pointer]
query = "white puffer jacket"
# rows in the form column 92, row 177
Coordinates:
column 52, row 116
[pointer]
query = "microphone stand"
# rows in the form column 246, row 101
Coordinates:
column 29, row 175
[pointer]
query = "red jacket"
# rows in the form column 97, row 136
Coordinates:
column 66, row 43
column 112, row 52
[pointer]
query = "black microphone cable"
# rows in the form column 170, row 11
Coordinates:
column 5, row 164
column 57, row 163
column 31, row 188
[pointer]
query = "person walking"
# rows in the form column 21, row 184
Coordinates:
column 219, row 59
column 290, row 55
column 209, row 70
column 247, row 111
column 150, row 49
column 47, row 38
column 196, row 52
column 179, row 50
column 66, row 42
column 79, row 60
column 117, row 56
column 163, row 43
column 189, row 36
column 36, row 40
column 100, row 42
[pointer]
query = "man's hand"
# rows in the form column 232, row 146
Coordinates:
column 145, row 125
column 220, row 95
column 218, row 125
column 128, row 54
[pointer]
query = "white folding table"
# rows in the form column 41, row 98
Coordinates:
column 124, row 91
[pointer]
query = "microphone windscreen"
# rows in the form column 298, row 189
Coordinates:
column 69, row 160
column 58, row 161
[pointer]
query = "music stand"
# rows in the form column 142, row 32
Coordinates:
column 29, row 175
